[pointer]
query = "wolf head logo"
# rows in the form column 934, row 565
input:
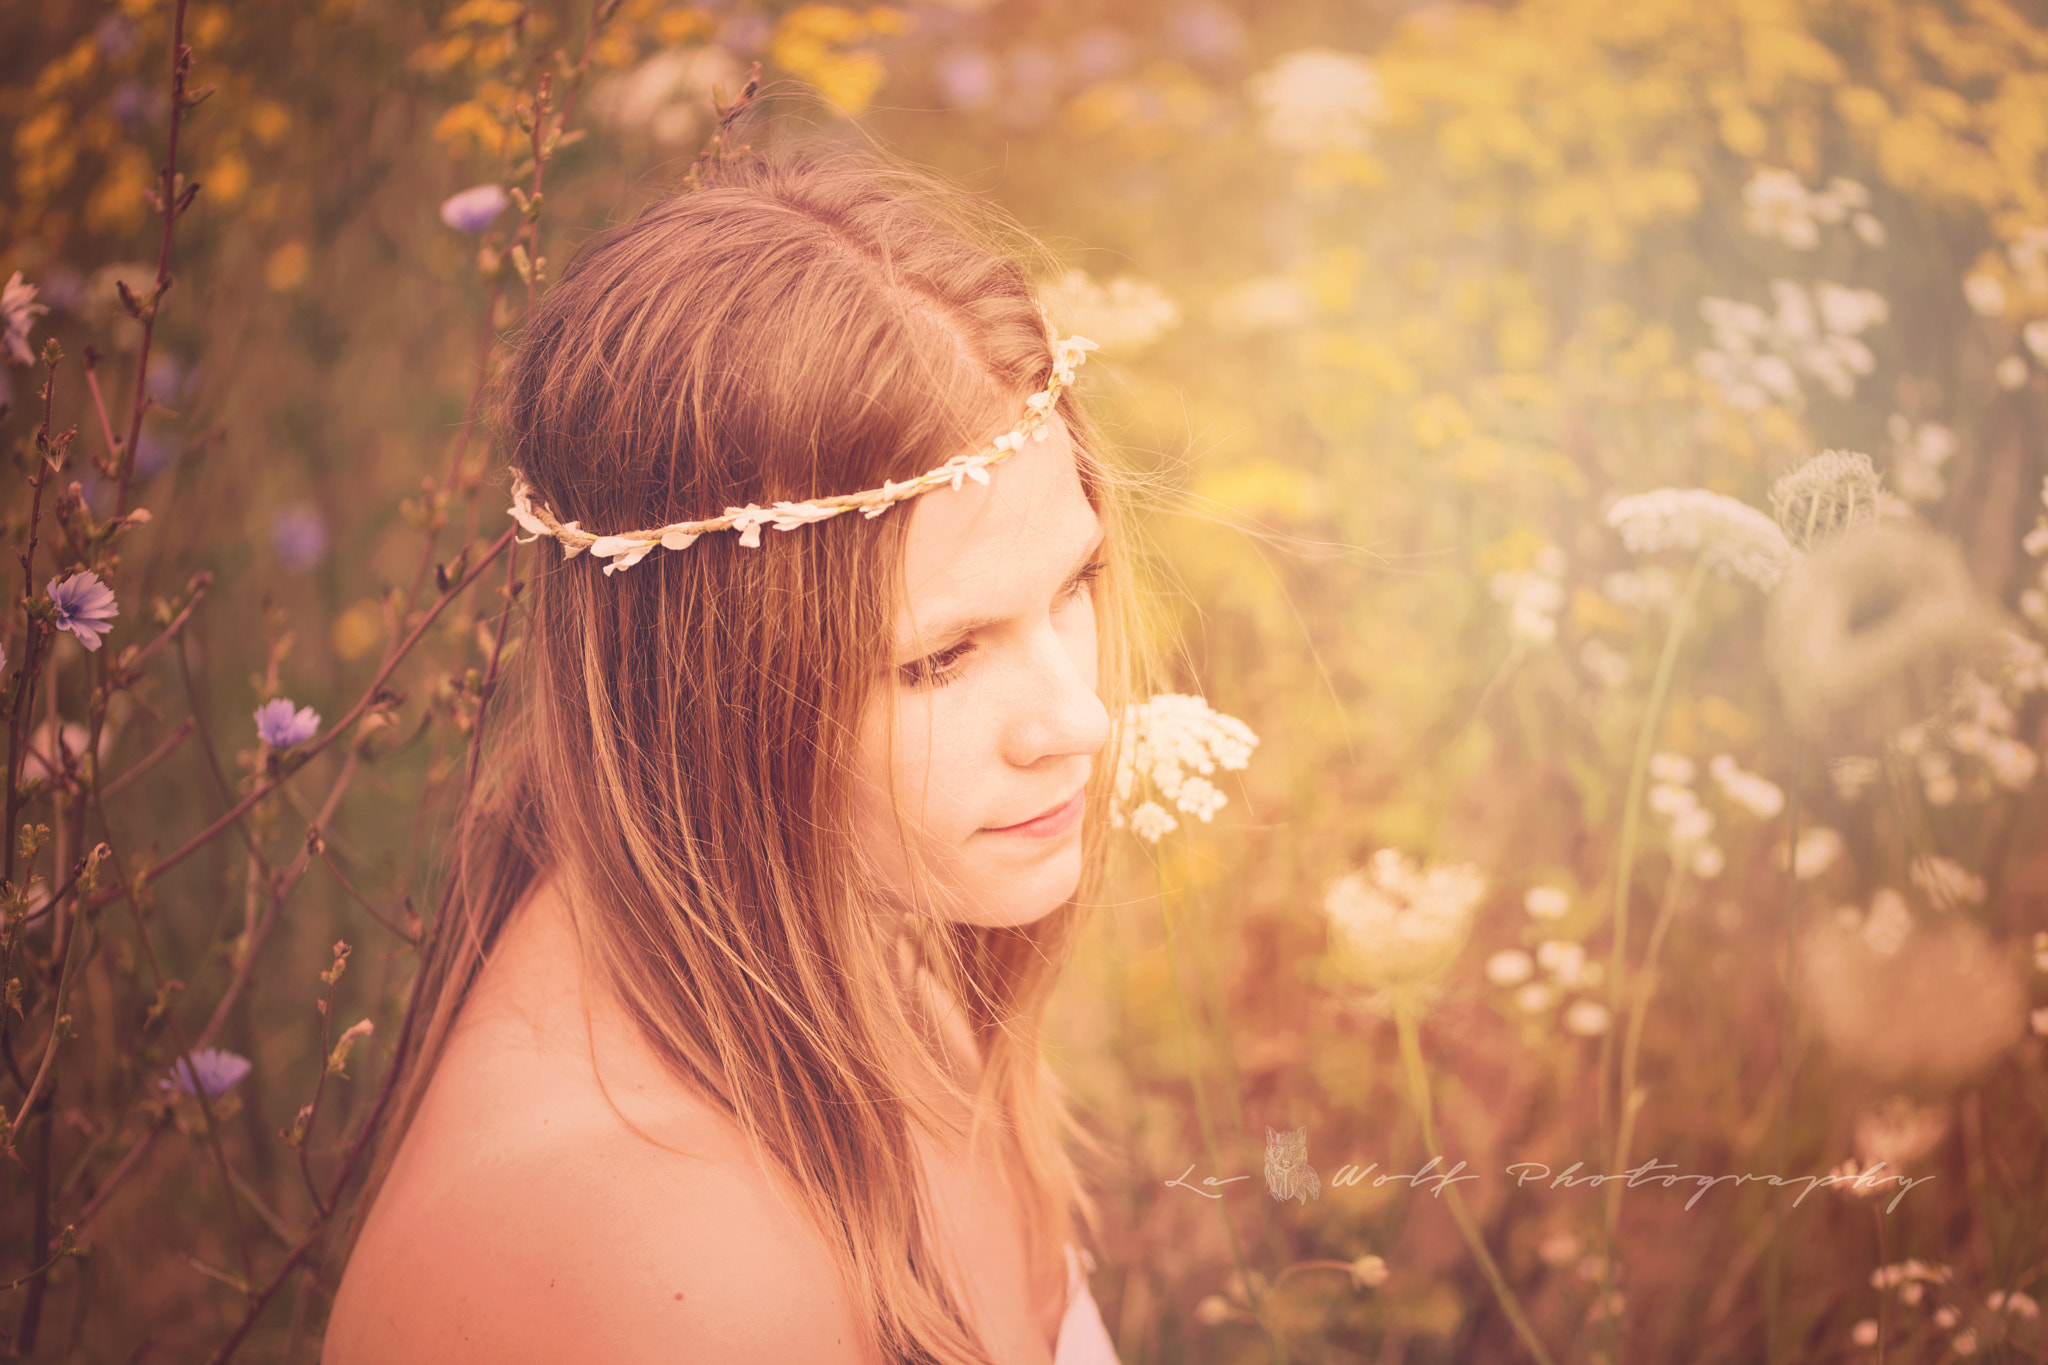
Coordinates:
column 1288, row 1174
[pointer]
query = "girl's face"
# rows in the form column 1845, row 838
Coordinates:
column 973, row 765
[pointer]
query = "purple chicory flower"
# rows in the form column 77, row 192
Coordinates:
column 280, row 726
column 213, row 1070
column 84, row 607
column 18, row 311
column 299, row 535
column 115, row 36
column 475, row 208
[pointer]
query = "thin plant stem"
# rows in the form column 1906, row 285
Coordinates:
column 1632, row 1096
column 1624, row 880
column 1408, row 1026
column 1774, row 1284
column 1632, row 816
column 181, row 66
column 1187, row 1038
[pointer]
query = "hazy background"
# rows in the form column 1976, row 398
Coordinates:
column 1394, row 303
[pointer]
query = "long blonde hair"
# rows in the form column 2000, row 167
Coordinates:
column 677, row 739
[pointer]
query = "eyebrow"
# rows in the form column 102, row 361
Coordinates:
column 948, row 633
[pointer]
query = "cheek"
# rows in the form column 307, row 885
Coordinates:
column 917, row 766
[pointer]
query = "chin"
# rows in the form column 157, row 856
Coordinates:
column 1024, row 896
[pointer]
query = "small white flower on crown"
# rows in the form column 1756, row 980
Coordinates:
column 748, row 521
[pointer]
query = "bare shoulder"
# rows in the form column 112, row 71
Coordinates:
column 524, row 1219
column 591, row 1251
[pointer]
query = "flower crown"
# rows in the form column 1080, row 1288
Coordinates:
column 628, row 548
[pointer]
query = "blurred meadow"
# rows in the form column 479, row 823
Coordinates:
column 1597, row 448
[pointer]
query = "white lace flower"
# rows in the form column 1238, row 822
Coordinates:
column 1866, row 634
column 1854, row 775
column 1565, row 961
column 1317, row 98
column 1919, row 455
column 1509, row 967
column 1586, row 1018
column 1674, row 769
column 1775, row 205
column 1608, row 665
column 1169, row 747
column 2035, row 337
column 1947, row 884
column 1889, row 923
column 1820, row 848
column 1985, row 294
column 1689, row 825
column 1826, row 497
column 1127, row 314
column 1757, row 795
column 1533, row 597
column 1150, row 822
column 1735, row 537
column 1923, row 1009
column 1398, row 923
column 1757, row 357
column 1264, row 303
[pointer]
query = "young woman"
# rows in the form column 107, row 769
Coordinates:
column 730, row 1050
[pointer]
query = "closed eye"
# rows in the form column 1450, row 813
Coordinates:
column 1083, row 579
column 936, row 670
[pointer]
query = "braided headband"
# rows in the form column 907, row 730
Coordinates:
column 628, row 548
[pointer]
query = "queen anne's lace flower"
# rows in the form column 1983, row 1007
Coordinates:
column 1986, row 295
column 1398, row 923
column 1509, row 967
column 1820, row 848
column 1125, row 315
column 1735, row 537
column 1947, row 884
column 1318, row 98
column 1757, row 357
column 1866, row 635
column 1926, row 1008
column 1689, row 826
column 1758, row 795
column 1587, row 1018
column 1919, row 455
column 1776, row 205
column 1533, row 597
column 1169, row 747
column 1827, row 497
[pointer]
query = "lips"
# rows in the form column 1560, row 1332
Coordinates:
column 1050, row 823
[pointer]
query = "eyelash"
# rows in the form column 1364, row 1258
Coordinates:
column 1085, row 580
column 943, row 667
column 939, row 669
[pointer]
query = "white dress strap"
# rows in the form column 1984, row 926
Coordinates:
column 1083, row 1339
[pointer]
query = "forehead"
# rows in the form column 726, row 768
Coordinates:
column 987, row 551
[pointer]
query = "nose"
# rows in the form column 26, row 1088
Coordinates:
column 1056, row 712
